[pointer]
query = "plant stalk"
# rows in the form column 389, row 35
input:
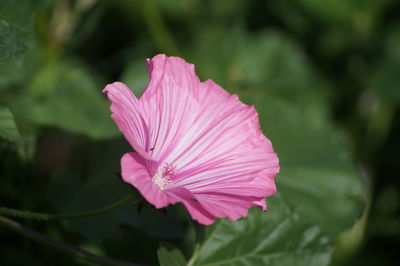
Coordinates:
column 44, row 216
column 39, row 237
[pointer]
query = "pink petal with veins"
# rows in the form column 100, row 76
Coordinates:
column 195, row 144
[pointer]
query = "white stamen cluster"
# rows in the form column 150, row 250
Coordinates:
column 163, row 176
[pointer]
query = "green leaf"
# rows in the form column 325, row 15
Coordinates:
column 20, row 53
column 64, row 95
column 10, row 45
column 279, row 237
column 8, row 129
column 16, row 27
column 170, row 258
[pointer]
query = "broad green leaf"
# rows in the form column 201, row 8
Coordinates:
column 64, row 95
column 16, row 27
column 8, row 129
column 279, row 237
column 15, row 73
column 318, row 175
column 10, row 45
column 170, row 258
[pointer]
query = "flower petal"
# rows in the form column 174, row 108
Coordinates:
column 169, row 73
column 225, row 150
column 198, row 212
column 135, row 172
column 126, row 114
column 196, row 144
column 229, row 205
column 168, row 103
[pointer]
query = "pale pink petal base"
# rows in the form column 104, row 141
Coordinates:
column 134, row 172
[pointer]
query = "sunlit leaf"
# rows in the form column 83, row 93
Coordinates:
column 279, row 237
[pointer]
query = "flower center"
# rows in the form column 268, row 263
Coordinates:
column 163, row 175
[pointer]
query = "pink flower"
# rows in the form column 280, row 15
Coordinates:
column 195, row 144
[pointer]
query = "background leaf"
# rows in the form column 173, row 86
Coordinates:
column 16, row 27
column 8, row 129
column 54, row 89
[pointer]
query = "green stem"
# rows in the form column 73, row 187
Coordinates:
column 199, row 235
column 196, row 253
column 43, row 216
column 25, row 231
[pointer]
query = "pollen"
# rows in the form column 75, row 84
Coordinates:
column 163, row 176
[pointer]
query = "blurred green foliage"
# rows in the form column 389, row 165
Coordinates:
column 8, row 129
column 323, row 75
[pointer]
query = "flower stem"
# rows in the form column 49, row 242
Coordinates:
column 25, row 231
column 44, row 216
